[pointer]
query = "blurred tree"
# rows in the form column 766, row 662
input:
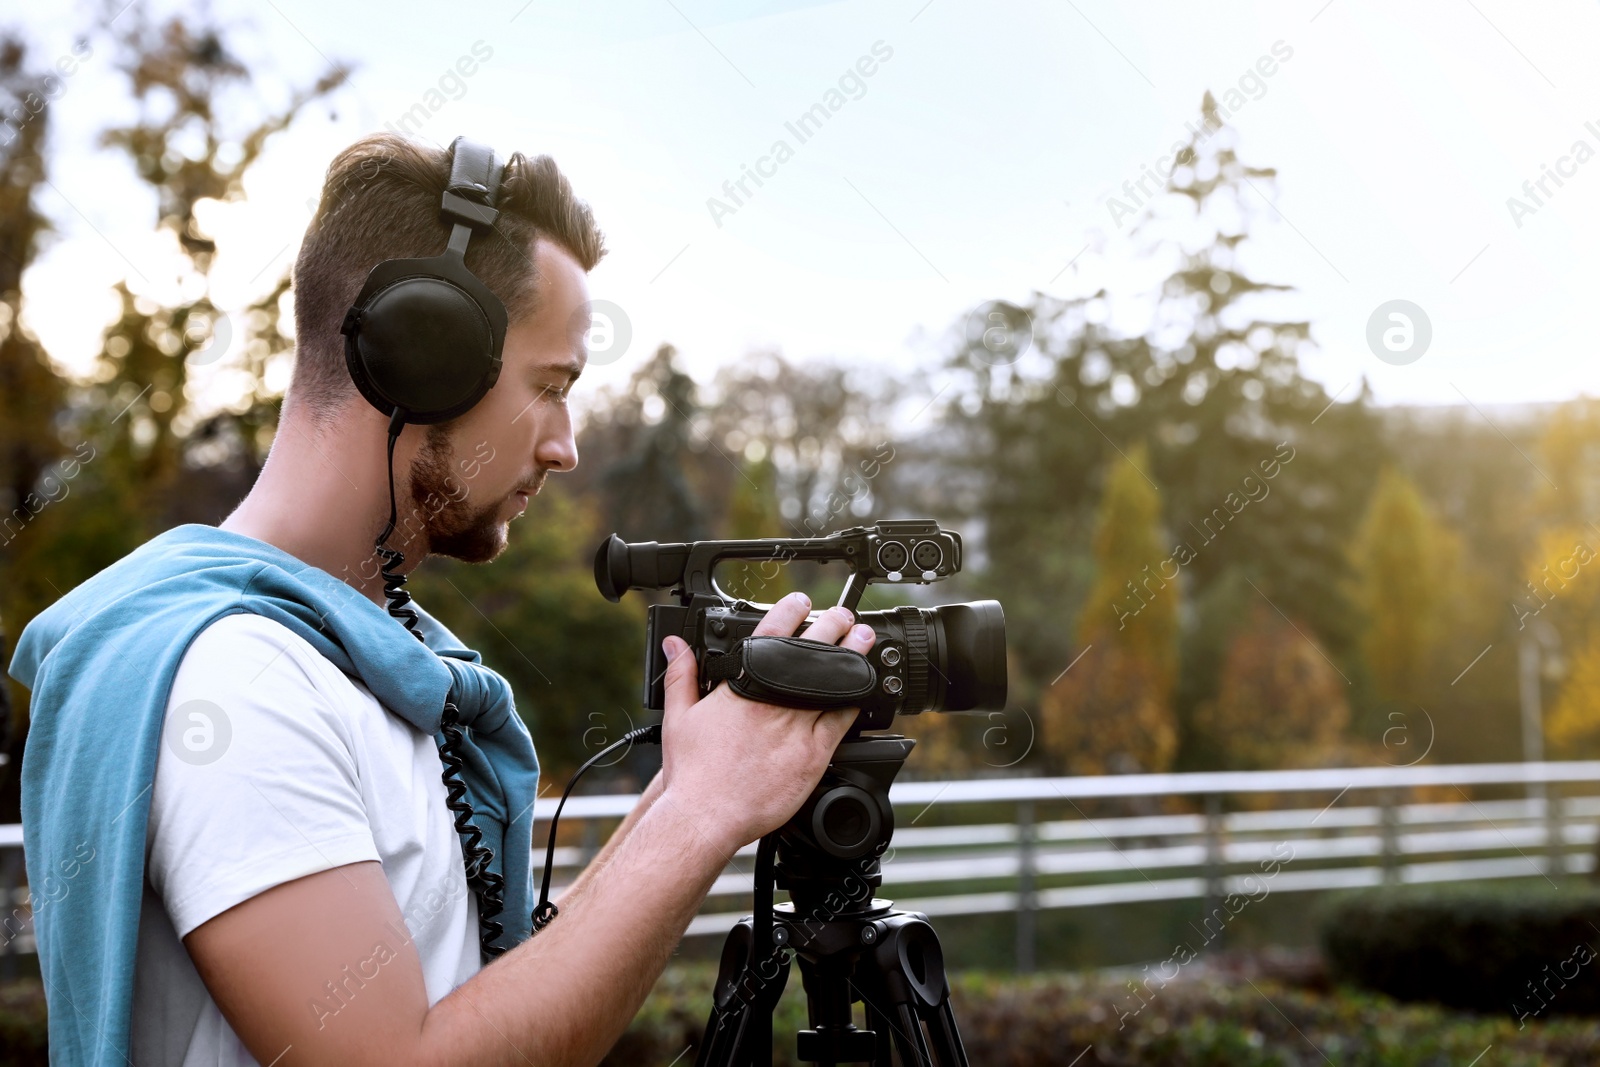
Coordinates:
column 648, row 441
column 30, row 391
column 94, row 463
column 1112, row 712
column 188, row 146
column 574, row 661
column 821, row 427
column 1257, row 469
column 1568, row 493
column 1280, row 702
column 1572, row 726
column 1562, row 591
column 1561, row 580
column 1405, row 563
column 753, row 512
column 1484, row 494
column 1561, row 584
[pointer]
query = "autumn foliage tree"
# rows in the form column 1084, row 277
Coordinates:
column 1561, row 588
column 1280, row 703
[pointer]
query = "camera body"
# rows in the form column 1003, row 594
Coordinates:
column 948, row 658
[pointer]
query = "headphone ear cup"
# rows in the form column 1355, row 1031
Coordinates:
column 424, row 345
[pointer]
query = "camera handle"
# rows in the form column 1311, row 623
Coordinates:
column 792, row 672
column 899, row 551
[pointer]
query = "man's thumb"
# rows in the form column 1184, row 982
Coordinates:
column 682, row 687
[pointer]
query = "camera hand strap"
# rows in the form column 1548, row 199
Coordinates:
column 792, row 672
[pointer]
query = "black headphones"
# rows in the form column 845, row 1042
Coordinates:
column 423, row 344
column 423, row 340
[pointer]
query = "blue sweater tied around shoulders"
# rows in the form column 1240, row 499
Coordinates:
column 100, row 663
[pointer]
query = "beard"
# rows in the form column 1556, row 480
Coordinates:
column 451, row 525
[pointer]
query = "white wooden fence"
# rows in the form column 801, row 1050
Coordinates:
column 1066, row 844
column 1084, row 842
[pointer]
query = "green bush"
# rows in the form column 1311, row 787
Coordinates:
column 1524, row 948
column 1048, row 1020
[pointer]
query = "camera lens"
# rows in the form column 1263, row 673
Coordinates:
column 955, row 655
column 975, row 655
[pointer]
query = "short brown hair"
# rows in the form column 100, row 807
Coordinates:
column 381, row 201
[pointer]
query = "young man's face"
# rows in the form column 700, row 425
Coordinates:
column 476, row 473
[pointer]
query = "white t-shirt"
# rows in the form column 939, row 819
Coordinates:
column 275, row 765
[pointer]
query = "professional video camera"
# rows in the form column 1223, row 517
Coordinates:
column 851, row 945
column 947, row 658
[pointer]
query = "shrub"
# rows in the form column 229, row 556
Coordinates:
column 1049, row 1020
column 1526, row 948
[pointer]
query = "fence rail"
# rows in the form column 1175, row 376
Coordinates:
column 1085, row 842
column 1065, row 844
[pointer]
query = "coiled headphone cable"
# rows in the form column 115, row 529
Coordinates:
column 489, row 887
column 477, row 857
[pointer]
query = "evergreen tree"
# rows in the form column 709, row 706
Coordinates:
column 1405, row 563
column 1112, row 712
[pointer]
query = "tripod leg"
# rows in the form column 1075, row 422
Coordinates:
column 908, row 971
column 943, row 1035
column 879, row 1024
column 908, row 1035
column 739, row 1030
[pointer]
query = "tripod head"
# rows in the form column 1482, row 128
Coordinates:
column 851, row 945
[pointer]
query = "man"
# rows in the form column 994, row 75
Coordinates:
column 303, row 896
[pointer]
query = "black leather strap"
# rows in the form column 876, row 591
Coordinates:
column 474, row 186
column 792, row 672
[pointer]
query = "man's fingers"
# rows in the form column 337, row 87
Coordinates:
column 785, row 617
column 830, row 625
column 682, row 684
column 860, row 638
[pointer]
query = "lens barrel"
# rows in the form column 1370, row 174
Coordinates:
column 954, row 655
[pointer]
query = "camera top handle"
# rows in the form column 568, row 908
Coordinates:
column 902, row 551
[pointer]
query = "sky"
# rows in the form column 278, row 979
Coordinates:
column 983, row 157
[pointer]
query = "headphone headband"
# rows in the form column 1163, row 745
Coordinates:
column 474, row 186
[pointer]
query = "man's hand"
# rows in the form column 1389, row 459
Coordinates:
column 739, row 769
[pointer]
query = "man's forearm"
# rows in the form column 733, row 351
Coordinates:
column 562, row 998
column 603, row 857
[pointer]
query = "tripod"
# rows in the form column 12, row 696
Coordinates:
column 851, row 945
